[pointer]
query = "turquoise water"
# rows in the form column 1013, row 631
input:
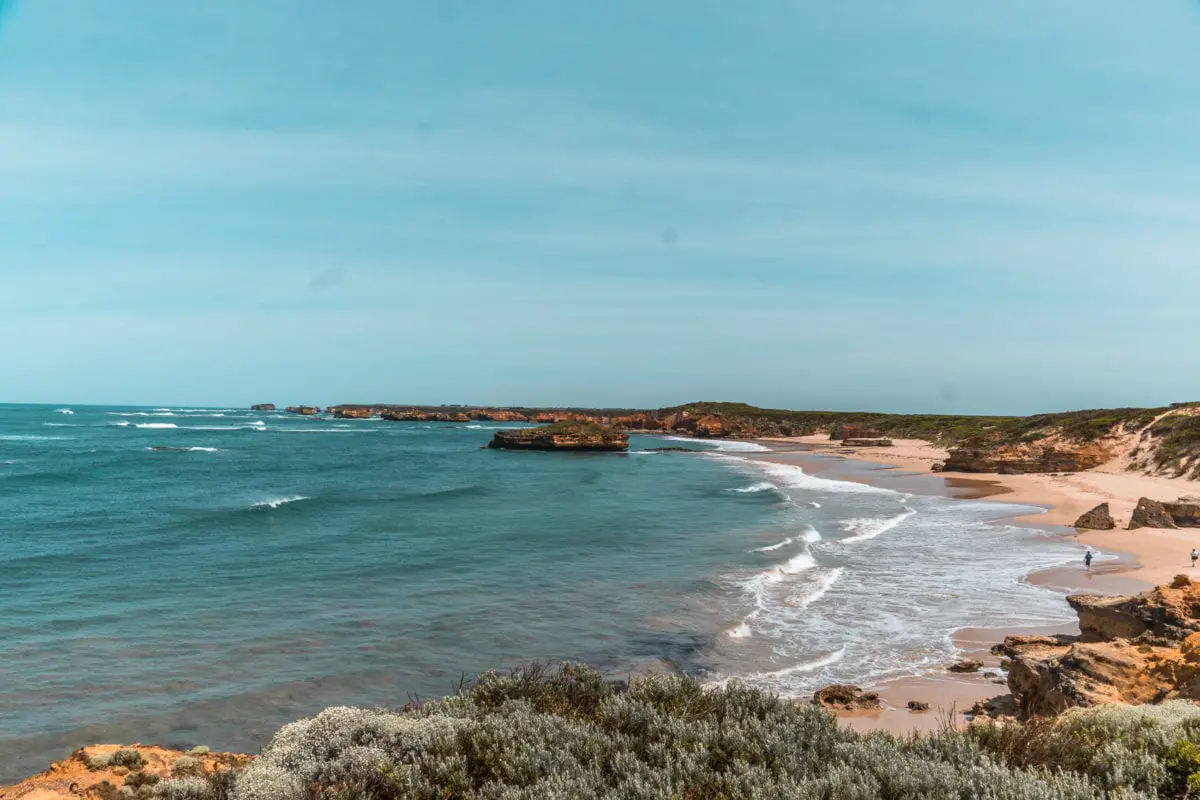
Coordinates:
column 267, row 565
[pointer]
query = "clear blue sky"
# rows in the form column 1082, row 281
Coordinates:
column 925, row 205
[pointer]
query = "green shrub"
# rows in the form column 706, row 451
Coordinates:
column 567, row 733
column 126, row 757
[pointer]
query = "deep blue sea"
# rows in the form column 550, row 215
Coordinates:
column 202, row 576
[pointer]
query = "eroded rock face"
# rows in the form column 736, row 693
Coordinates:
column 1139, row 649
column 1150, row 514
column 308, row 411
column 353, row 412
column 562, row 436
column 1185, row 513
column 91, row 774
column 263, row 407
column 846, row 697
column 1098, row 519
column 1022, row 459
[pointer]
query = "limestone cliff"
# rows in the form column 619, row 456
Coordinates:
column 1139, row 649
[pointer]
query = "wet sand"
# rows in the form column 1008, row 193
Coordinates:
column 1133, row 563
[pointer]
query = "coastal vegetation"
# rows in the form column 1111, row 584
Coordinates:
column 541, row 732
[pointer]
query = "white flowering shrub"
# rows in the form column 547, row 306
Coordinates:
column 566, row 733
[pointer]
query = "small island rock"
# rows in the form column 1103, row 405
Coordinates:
column 561, row 436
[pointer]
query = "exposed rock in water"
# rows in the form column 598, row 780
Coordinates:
column 562, row 436
column 263, row 407
column 1022, row 459
column 307, row 411
column 866, row 443
column 1185, row 512
column 967, row 666
column 1135, row 650
column 1151, row 514
column 1098, row 519
column 845, row 697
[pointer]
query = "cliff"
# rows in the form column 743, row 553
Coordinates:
column 1134, row 650
column 561, row 436
column 120, row 772
column 307, row 411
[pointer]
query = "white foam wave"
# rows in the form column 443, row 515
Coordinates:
column 279, row 501
column 806, row 666
column 121, row 424
column 315, row 430
column 32, row 438
column 156, row 425
column 60, row 424
column 739, row 631
column 641, row 452
column 818, row 590
column 864, row 529
column 772, row 547
column 190, row 449
column 793, row 477
column 63, row 411
column 724, row 445
column 810, row 534
column 814, row 504
column 761, row 486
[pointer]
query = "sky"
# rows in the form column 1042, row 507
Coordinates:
column 926, row 206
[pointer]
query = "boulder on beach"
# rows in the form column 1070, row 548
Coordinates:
column 1185, row 512
column 1151, row 514
column 1098, row 519
column 562, row 436
column 966, row 666
column 846, row 697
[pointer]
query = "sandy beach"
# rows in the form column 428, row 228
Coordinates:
column 1139, row 559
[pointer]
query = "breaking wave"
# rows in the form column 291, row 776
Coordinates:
column 279, row 501
column 864, row 529
column 156, row 425
column 63, row 411
column 818, row 590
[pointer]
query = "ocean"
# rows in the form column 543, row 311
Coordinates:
column 203, row 575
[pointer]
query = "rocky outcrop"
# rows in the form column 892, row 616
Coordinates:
column 854, row 432
column 1135, row 650
column 115, row 772
column 845, row 697
column 353, row 412
column 562, row 436
column 263, row 407
column 866, row 443
column 1022, row 459
column 1185, row 512
column 1098, row 519
column 965, row 667
column 307, row 411
column 496, row 415
column 1151, row 514
column 414, row 415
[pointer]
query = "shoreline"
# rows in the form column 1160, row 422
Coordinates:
column 1140, row 559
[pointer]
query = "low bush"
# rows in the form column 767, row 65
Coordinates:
column 567, row 733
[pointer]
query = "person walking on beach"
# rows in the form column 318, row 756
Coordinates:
column 1087, row 559
column 1195, row 555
